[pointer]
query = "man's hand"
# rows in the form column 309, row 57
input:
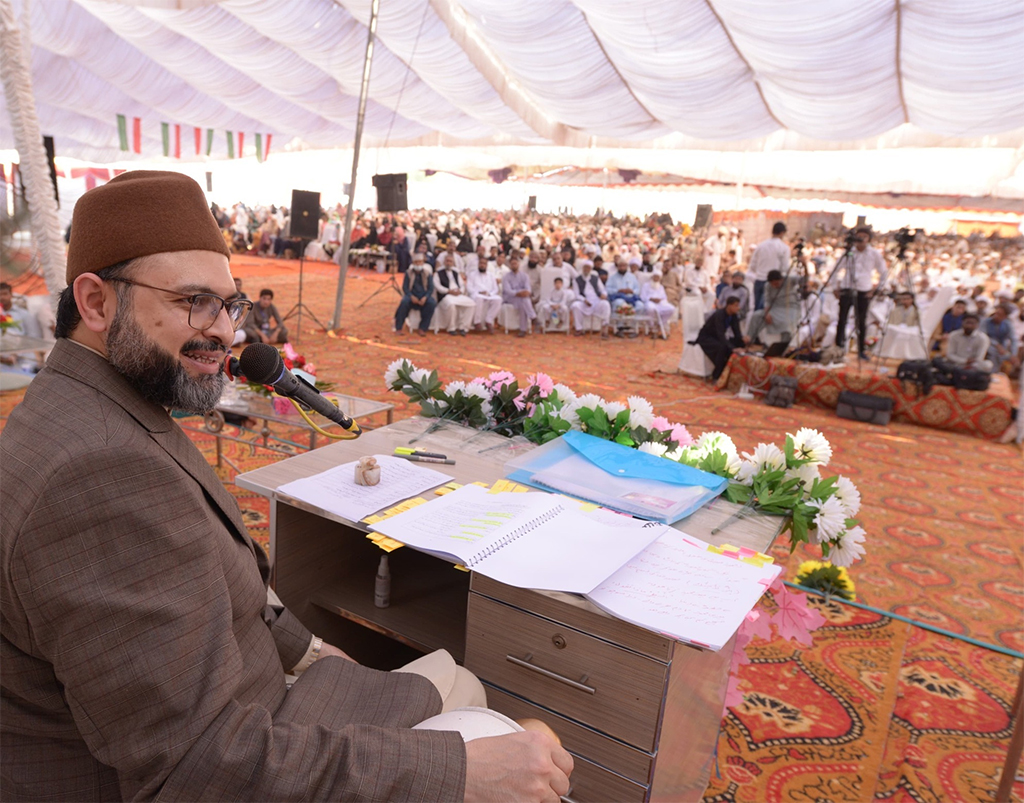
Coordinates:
column 767, row 317
column 525, row 767
column 264, row 337
column 746, row 340
column 523, row 293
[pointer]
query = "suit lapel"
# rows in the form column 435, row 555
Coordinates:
column 177, row 444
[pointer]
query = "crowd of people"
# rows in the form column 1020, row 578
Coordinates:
column 582, row 274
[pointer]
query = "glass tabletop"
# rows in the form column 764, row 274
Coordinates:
column 282, row 411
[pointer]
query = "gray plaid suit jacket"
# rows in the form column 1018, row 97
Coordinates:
column 138, row 658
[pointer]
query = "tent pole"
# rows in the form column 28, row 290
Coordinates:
column 346, row 236
column 35, row 169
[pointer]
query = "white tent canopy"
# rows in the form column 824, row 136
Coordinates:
column 925, row 96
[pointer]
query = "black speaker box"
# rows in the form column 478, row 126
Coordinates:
column 391, row 192
column 703, row 216
column 532, row 203
column 305, row 214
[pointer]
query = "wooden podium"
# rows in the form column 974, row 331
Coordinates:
column 639, row 711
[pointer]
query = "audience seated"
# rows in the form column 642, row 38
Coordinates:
column 417, row 294
column 265, row 324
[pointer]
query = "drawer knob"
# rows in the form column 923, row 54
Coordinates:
column 558, row 640
column 526, row 663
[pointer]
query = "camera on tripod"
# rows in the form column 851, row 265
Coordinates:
column 905, row 236
column 851, row 238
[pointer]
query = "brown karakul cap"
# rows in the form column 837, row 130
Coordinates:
column 139, row 213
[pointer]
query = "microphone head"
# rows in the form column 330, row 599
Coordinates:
column 261, row 362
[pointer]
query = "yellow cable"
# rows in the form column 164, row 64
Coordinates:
column 346, row 436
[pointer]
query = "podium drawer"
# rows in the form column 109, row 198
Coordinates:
column 577, row 739
column 611, row 689
column 590, row 783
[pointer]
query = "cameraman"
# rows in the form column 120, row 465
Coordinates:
column 854, row 279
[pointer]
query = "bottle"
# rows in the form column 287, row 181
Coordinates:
column 382, row 585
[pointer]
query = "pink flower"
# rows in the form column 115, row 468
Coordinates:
column 543, row 382
column 681, row 435
column 499, row 378
column 661, row 423
column 289, row 351
column 518, row 400
column 309, row 368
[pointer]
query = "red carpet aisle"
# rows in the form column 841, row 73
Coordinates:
column 986, row 414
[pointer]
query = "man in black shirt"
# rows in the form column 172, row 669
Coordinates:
column 714, row 336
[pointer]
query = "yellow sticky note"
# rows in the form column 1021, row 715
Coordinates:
column 481, row 484
column 500, row 486
column 454, row 485
column 520, row 489
column 444, row 489
column 461, row 568
column 390, row 544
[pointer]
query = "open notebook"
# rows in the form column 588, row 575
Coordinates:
column 643, row 572
column 529, row 540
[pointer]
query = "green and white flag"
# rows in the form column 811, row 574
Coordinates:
column 231, row 145
column 209, row 141
column 122, row 131
column 165, row 133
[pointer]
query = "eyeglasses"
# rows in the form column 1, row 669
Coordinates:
column 203, row 307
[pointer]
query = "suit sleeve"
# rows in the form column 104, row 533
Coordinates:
column 135, row 600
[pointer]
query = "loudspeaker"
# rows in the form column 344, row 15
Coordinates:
column 391, row 192
column 305, row 214
column 703, row 217
column 532, row 203
column 48, row 144
column 862, row 220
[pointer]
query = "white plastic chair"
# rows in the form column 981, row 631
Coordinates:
column 905, row 342
column 693, row 360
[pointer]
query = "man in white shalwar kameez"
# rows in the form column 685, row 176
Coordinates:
column 482, row 287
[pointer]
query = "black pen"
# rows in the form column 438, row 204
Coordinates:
column 423, row 459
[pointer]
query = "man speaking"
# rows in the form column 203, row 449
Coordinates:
column 140, row 660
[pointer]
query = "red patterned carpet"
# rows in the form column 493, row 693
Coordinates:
column 875, row 707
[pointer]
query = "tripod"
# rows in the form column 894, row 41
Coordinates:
column 299, row 306
column 392, row 282
column 842, row 262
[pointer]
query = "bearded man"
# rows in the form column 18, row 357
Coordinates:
column 141, row 659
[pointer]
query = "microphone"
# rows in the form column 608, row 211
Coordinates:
column 261, row 362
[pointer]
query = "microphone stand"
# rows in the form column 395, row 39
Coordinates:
column 299, row 306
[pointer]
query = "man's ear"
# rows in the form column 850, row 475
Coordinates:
column 97, row 302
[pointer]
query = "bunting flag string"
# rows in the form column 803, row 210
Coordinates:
column 165, row 137
column 177, row 141
column 266, row 153
column 198, row 134
column 241, row 139
column 231, row 144
column 259, row 147
column 137, row 134
column 209, row 141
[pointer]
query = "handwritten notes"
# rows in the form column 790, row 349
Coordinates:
column 679, row 588
column 336, row 492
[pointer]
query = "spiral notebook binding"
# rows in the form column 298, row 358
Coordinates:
column 519, row 532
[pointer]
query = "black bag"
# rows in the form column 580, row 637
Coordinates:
column 864, row 408
column 920, row 372
column 970, row 379
column 783, row 391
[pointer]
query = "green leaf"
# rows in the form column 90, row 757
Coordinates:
column 624, row 439
column 737, row 493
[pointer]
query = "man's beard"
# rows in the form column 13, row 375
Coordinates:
column 156, row 374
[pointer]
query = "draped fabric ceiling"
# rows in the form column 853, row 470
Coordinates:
column 492, row 76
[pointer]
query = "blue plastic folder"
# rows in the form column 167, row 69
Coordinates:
column 616, row 477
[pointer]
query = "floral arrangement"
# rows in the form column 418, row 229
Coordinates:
column 6, row 322
column 829, row 579
column 784, row 482
column 293, row 361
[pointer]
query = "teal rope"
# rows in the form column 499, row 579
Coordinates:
column 983, row 644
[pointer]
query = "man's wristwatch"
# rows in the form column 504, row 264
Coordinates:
column 318, row 644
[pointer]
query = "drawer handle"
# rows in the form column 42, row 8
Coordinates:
column 576, row 684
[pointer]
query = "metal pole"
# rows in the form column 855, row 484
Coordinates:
column 346, row 236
